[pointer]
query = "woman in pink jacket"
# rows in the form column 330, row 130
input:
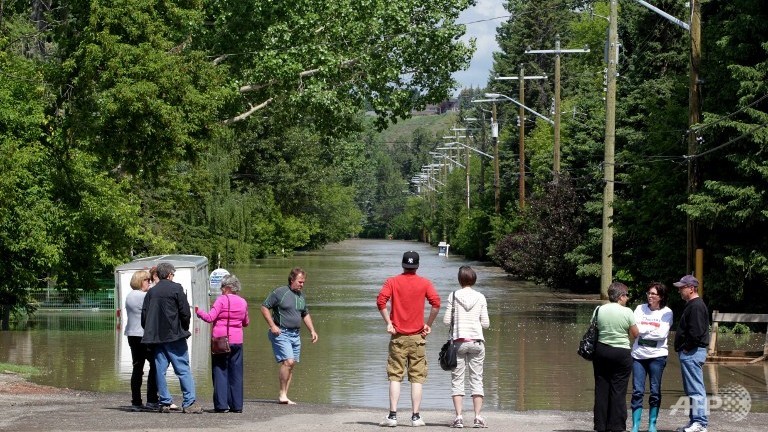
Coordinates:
column 229, row 314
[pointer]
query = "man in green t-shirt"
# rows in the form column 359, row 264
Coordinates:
column 284, row 310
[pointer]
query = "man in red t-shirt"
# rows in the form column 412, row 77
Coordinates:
column 405, row 322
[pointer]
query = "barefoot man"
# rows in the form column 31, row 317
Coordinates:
column 284, row 310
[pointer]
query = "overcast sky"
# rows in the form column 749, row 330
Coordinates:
column 481, row 21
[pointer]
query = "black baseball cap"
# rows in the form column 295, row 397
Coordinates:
column 410, row 260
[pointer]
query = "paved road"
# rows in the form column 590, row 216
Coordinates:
column 27, row 407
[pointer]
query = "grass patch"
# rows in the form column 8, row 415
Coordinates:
column 402, row 131
column 23, row 370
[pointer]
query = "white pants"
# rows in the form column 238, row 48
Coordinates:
column 470, row 355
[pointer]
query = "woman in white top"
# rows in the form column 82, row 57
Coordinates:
column 140, row 353
column 470, row 317
column 649, row 353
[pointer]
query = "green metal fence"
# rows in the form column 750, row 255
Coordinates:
column 51, row 299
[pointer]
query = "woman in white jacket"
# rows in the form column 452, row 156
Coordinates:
column 470, row 317
column 649, row 353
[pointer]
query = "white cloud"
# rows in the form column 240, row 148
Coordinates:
column 481, row 21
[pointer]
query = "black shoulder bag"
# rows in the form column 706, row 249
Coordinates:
column 589, row 340
column 447, row 356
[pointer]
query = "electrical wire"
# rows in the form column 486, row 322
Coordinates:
column 697, row 128
column 738, row 138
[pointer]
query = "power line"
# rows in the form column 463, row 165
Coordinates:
column 738, row 138
column 485, row 20
column 727, row 116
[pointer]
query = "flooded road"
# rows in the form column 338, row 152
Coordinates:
column 531, row 361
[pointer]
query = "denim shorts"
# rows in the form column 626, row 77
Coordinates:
column 286, row 345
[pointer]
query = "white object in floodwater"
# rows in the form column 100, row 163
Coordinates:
column 214, row 281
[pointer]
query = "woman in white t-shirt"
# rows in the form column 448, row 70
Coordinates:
column 649, row 353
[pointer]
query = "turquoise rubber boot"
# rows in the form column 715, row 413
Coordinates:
column 636, row 414
column 653, row 414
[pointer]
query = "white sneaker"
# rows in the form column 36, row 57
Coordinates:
column 388, row 422
column 417, row 422
column 458, row 422
column 695, row 427
column 480, row 422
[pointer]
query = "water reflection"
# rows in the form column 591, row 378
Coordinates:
column 531, row 362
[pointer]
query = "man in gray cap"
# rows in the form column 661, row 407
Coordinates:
column 691, row 341
column 407, row 293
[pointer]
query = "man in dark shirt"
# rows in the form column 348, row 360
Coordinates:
column 691, row 341
column 165, row 317
column 284, row 310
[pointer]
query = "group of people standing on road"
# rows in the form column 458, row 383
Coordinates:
column 646, row 357
column 158, row 326
column 159, row 318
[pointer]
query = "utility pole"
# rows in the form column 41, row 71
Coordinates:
column 521, row 137
column 484, row 136
column 521, row 127
column 466, row 160
column 556, row 149
column 495, row 136
column 467, row 172
column 606, row 268
column 557, row 51
column 694, row 118
column 694, row 254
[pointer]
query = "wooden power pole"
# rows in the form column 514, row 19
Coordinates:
column 694, row 118
column 557, row 51
column 521, row 128
column 496, row 183
column 606, row 267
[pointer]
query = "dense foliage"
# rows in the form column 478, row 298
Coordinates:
column 231, row 129
column 236, row 129
column 652, row 202
column 556, row 238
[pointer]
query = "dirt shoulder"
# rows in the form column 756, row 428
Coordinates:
column 30, row 407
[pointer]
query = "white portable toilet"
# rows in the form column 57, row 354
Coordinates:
column 192, row 274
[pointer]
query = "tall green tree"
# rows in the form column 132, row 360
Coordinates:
column 328, row 59
column 730, row 206
column 122, row 108
column 27, row 210
column 62, row 216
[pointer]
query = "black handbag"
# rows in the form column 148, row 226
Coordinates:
column 220, row 344
column 447, row 356
column 589, row 340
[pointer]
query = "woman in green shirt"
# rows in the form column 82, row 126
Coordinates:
column 612, row 363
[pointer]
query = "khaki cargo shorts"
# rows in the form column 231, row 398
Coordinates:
column 407, row 352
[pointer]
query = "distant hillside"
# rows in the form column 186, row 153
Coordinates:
column 439, row 125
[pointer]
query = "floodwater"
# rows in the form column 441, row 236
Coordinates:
column 531, row 361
